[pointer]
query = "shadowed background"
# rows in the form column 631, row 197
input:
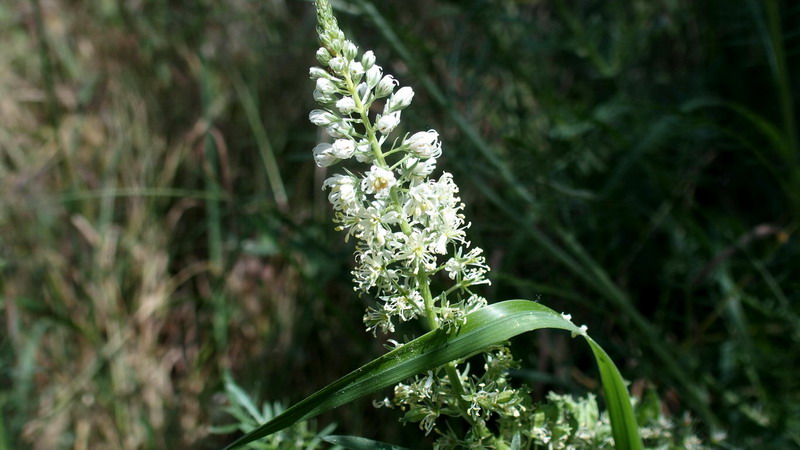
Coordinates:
column 162, row 224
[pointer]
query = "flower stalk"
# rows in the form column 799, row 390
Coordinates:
column 410, row 233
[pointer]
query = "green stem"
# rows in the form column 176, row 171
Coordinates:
column 362, row 111
column 376, row 147
column 791, row 149
column 450, row 368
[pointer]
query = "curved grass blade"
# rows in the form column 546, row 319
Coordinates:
column 485, row 327
column 360, row 443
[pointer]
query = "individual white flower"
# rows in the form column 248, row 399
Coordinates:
column 474, row 303
column 405, row 307
column 346, row 105
column 375, row 319
column 416, row 252
column 450, row 226
column 372, row 268
column 400, row 99
column 420, row 168
column 338, row 65
column 356, row 69
column 454, row 267
column 378, row 180
column 387, row 123
column 375, row 223
column 386, row 86
column 322, row 118
column 419, row 201
column 323, row 155
column 424, row 144
column 343, row 195
column 343, row 148
column 326, row 86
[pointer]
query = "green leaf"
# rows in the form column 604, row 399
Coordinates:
column 360, row 443
column 485, row 327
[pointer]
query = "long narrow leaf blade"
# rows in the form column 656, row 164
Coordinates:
column 360, row 443
column 485, row 327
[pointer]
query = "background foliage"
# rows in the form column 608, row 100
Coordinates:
column 161, row 224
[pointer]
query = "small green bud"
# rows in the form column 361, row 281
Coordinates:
column 350, row 50
column 323, row 98
column 414, row 415
column 318, row 72
column 326, row 86
column 323, row 56
column 505, row 396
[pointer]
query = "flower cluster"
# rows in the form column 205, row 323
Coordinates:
column 409, row 229
column 408, row 225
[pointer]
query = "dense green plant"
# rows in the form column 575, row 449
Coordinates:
column 247, row 416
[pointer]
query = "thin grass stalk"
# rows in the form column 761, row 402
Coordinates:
column 48, row 77
column 265, row 149
column 780, row 72
column 214, row 214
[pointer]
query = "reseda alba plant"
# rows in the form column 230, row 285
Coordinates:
column 409, row 229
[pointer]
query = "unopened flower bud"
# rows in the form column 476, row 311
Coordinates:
column 323, row 56
column 318, row 72
column 337, row 39
column 373, row 76
column 339, row 130
column 387, row 123
column 400, row 99
column 350, row 50
column 346, row 105
column 356, row 70
column 385, row 86
column 332, row 39
column 326, row 86
column 338, row 64
column 368, row 60
column 323, row 155
column 323, row 98
column 322, row 118
column 362, row 90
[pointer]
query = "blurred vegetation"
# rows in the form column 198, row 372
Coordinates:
column 162, row 225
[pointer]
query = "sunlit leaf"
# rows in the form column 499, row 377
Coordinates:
column 492, row 324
